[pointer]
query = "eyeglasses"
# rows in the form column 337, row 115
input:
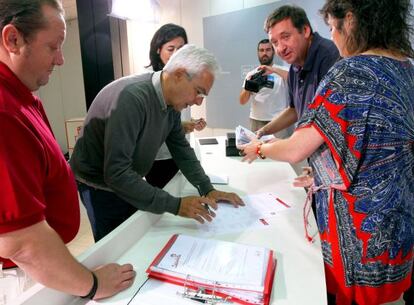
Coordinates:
column 200, row 94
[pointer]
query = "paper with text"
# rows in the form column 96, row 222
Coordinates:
column 220, row 262
column 257, row 210
column 210, row 269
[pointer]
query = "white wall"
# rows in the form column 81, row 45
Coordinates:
column 140, row 34
column 192, row 14
column 189, row 14
column 64, row 96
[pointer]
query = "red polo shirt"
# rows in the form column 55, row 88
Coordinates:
column 36, row 181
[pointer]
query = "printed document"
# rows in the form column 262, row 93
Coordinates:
column 255, row 214
column 244, row 136
column 230, row 264
column 210, row 269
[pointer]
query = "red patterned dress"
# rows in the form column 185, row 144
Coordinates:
column 364, row 110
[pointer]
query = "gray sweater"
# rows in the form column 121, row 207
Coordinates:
column 123, row 130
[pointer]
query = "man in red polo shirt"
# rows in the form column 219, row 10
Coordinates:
column 39, row 210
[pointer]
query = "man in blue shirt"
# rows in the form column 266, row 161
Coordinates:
column 309, row 55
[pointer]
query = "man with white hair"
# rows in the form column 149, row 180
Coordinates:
column 126, row 125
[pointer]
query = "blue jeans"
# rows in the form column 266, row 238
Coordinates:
column 105, row 209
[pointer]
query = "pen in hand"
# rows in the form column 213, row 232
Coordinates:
column 209, row 210
column 206, row 206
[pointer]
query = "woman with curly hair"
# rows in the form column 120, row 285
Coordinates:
column 359, row 135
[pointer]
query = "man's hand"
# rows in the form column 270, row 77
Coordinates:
column 266, row 69
column 260, row 133
column 113, row 278
column 41, row 253
column 232, row 198
column 270, row 69
column 198, row 208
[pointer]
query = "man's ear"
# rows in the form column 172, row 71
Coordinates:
column 180, row 73
column 12, row 39
column 307, row 31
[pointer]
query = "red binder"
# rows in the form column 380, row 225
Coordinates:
column 240, row 293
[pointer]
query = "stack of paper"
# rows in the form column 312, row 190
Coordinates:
column 244, row 136
column 237, row 273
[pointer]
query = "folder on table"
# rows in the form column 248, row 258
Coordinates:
column 215, row 271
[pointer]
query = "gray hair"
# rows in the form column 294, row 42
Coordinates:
column 194, row 60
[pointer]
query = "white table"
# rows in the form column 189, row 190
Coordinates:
column 299, row 275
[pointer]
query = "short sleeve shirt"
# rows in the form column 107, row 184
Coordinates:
column 303, row 81
column 269, row 102
column 37, row 183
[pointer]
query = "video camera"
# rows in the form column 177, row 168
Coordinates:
column 257, row 81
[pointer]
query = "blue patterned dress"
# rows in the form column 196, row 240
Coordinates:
column 364, row 110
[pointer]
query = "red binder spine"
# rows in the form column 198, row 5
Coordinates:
column 208, row 287
column 270, row 274
column 164, row 250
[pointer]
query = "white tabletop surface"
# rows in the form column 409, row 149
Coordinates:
column 299, row 275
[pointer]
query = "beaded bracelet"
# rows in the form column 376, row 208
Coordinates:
column 259, row 151
column 94, row 288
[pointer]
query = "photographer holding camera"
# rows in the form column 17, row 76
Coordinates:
column 267, row 93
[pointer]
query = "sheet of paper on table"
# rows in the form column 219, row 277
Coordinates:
column 258, row 209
